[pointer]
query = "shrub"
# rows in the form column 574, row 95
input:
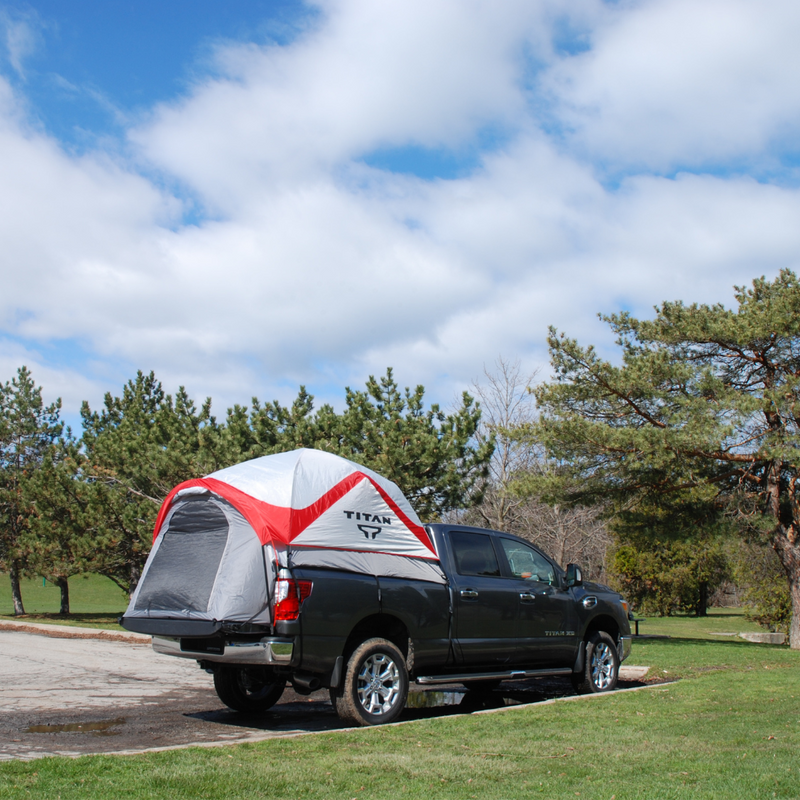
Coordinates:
column 667, row 577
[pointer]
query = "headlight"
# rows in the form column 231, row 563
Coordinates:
column 625, row 606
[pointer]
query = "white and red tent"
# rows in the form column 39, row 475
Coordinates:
column 220, row 540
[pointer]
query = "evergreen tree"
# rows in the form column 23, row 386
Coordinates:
column 60, row 539
column 138, row 447
column 28, row 431
column 664, row 575
column 701, row 418
column 432, row 456
column 268, row 428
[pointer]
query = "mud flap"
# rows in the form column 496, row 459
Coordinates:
column 336, row 674
column 580, row 660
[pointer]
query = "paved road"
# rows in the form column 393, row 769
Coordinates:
column 43, row 673
column 64, row 696
column 72, row 696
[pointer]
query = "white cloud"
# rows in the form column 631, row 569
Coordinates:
column 692, row 238
column 681, row 82
column 20, row 38
column 77, row 233
column 319, row 269
column 373, row 75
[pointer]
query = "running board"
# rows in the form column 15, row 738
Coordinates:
column 511, row 675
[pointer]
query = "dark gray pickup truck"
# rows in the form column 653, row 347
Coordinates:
column 504, row 610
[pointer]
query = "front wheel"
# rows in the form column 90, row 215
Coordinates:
column 375, row 686
column 601, row 670
column 248, row 689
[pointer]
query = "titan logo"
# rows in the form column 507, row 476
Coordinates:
column 369, row 530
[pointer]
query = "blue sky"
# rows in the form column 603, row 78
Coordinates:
column 250, row 195
column 89, row 65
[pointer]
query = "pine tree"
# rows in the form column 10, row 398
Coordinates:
column 700, row 421
column 59, row 539
column 28, row 431
column 137, row 448
column 432, row 456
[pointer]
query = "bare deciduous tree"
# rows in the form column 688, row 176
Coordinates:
column 576, row 535
column 505, row 403
column 567, row 534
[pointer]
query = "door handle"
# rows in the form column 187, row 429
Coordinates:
column 527, row 597
column 470, row 594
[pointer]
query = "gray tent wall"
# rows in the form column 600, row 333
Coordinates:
column 206, row 563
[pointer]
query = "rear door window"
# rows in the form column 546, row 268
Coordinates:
column 474, row 554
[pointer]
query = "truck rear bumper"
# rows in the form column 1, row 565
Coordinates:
column 264, row 652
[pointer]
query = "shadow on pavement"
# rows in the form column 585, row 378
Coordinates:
column 178, row 719
column 315, row 713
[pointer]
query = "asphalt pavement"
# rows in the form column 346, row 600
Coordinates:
column 72, row 691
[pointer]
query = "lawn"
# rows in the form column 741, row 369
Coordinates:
column 730, row 728
column 95, row 601
column 718, row 623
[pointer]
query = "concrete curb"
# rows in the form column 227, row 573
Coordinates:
column 764, row 638
column 73, row 632
column 632, row 673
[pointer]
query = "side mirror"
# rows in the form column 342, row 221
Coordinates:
column 574, row 575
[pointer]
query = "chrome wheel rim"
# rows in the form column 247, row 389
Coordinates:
column 602, row 666
column 378, row 684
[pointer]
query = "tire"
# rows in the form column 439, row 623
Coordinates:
column 601, row 670
column 248, row 689
column 375, row 686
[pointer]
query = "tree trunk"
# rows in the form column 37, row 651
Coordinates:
column 702, row 603
column 136, row 574
column 63, row 585
column 787, row 545
column 16, row 592
column 794, row 629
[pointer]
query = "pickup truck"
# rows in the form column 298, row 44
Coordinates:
column 502, row 610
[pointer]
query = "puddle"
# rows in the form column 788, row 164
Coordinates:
column 102, row 728
column 467, row 701
column 434, row 699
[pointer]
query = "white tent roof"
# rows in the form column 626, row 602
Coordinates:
column 311, row 498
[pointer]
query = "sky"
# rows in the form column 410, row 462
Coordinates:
column 250, row 195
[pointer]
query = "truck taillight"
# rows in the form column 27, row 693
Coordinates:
column 289, row 596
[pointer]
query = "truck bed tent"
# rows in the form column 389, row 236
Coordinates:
column 219, row 541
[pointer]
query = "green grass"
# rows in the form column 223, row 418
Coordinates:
column 95, row 601
column 718, row 621
column 730, row 729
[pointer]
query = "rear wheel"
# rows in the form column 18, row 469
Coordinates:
column 601, row 670
column 248, row 689
column 375, row 685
